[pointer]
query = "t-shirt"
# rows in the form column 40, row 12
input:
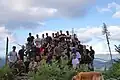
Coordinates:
column 48, row 39
column 80, row 48
column 12, row 57
column 42, row 41
column 78, row 56
column 38, row 42
column 92, row 52
column 30, row 39
column 75, row 62
column 62, row 37
column 21, row 54
column 68, row 37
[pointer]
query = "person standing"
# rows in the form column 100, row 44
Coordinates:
column 75, row 62
column 12, row 57
column 21, row 53
column 48, row 38
column 37, row 41
column 43, row 40
column 92, row 53
column 38, row 44
column 30, row 39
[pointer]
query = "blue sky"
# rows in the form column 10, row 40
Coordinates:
column 20, row 17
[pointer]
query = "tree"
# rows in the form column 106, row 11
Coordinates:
column 107, row 34
column 113, row 73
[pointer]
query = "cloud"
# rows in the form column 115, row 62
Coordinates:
column 4, row 33
column 116, row 15
column 23, row 13
column 88, row 34
column 102, row 10
column 93, row 36
column 110, row 8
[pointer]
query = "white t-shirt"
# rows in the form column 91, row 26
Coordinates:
column 43, row 41
column 78, row 55
column 68, row 38
column 12, row 57
column 75, row 62
column 38, row 42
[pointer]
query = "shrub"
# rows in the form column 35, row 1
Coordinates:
column 55, row 71
column 6, row 73
column 113, row 72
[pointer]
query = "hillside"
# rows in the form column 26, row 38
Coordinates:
column 2, row 62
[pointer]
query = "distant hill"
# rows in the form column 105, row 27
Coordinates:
column 98, row 64
column 2, row 62
column 103, row 60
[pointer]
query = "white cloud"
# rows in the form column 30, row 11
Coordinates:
column 89, row 36
column 23, row 12
column 109, row 8
column 92, row 36
column 116, row 14
column 4, row 33
column 102, row 10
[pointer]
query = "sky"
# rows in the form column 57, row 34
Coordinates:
column 19, row 17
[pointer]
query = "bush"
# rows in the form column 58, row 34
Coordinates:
column 6, row 73
column 113, row 72
column 55, row 71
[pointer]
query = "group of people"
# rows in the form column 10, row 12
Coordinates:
column 58, row 46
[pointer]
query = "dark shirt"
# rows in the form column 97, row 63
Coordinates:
column 48, row 39
column 21, row 54
column 92, row 52
column 87, row 51
column 62, row 37
column 30, row 39
column 49, row 57
column 80, row 49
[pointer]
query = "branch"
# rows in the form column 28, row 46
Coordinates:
column 117, row 48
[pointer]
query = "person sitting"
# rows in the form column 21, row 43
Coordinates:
column 75, row 62
column 78, row 56
column 20, row 66
column 32, row 65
